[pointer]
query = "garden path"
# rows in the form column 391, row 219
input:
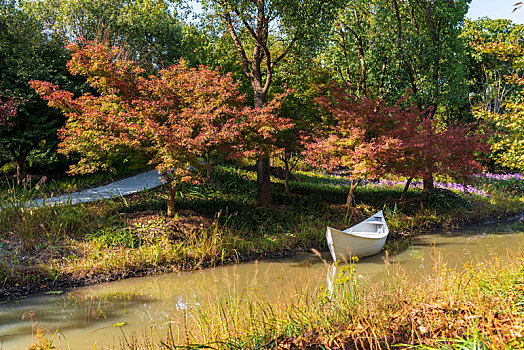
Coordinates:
column 130, row 185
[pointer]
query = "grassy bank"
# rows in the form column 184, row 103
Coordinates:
column 480, row 306
column 217, row 223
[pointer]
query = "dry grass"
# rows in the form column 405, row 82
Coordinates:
column 480, row 307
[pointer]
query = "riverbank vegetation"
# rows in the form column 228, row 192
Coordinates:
column 477, row 305
column 218, row 222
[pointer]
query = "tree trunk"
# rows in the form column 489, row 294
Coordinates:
column 171, row 200
column 382, row 76
column 263, row 167
column 208, row 167
column 361, row 54
column 405, row 191
column 264, row 182
column 20, row 159
column 20, row 171
column 428, row 182
column 354, row 185
column 259, row 82
column 286, row 180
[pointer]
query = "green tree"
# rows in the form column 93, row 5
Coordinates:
column 27, row 52
column 148, row 30
column 362, row 53
column 270, row 29
column 491, row 73
column 308, row 78
column 510, row 143
column 498, row 47
column 430, row 53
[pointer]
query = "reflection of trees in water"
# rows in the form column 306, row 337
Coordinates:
column 397, row 246
column 102, row 306
column 136, row 307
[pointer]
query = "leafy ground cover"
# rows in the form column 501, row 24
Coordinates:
column 217, row 222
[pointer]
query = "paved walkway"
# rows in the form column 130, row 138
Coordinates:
column 124, row 187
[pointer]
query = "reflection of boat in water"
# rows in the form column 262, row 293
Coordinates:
column 331, row 273
column 364, row 239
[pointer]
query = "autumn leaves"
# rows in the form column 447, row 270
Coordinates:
column 175, row 118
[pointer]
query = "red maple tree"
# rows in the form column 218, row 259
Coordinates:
column 429, row 146
column 354, row 138
column 173, row 118
column 367, row 138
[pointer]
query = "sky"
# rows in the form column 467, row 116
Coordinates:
column 496, row 9
column 478, row 8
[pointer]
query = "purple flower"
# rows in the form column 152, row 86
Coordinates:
column 455, row 187
column 507, row 176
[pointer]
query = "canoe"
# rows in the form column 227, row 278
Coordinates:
column 364, row 239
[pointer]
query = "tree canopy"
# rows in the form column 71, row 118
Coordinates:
column 149, row 30
column 28, row 52
column 172, row 118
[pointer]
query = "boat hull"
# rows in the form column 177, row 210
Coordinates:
column 364, row 239
column 344, row 246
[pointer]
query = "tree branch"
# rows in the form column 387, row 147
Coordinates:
column 240, row 48
column 403, row 58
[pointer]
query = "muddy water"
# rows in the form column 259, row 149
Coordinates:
column 88, row 318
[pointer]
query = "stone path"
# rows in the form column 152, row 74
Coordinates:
column 124, row 187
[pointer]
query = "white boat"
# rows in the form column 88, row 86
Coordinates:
column 364, row 239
